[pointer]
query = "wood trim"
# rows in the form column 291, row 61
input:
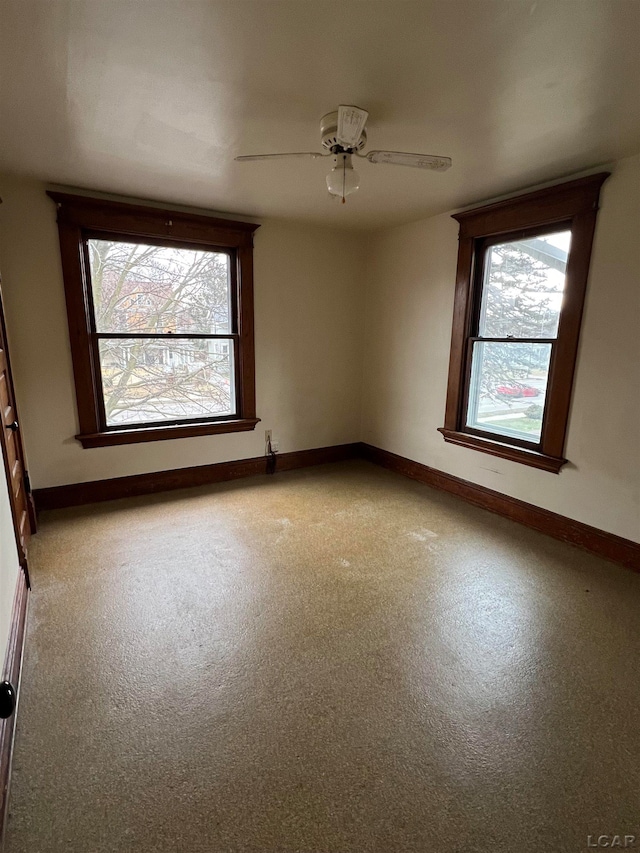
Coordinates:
column 573, row 204
column 82, row 353
column 81, row 217
column 246, row 347
column 23, row 527
column 533, row 458
column 565, row 350
column 551, row 204
column 598, row 542
column 139, row 219
column 161, row 433
column 77, row 494
column 11, row 672
column 462, row 308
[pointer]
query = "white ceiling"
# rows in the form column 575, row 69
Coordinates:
column 154, row 98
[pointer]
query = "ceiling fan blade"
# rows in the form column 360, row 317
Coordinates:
column 312, row 154
column 351, row 122
column 418, row 161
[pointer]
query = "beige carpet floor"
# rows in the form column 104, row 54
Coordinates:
column 334, row 660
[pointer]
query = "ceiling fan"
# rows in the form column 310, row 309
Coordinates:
column 343, row 136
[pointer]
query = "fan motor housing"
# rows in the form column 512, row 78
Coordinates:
column 328, row 130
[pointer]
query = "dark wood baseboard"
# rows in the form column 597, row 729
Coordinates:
column 591, row 539
column 11, row 672
column 77, row 494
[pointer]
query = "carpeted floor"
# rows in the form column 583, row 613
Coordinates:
column 334, row 660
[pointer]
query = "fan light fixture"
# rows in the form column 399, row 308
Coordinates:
column 343, row 179
column 343, row 135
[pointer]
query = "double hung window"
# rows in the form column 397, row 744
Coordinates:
column 160, row 318
column 522, row 275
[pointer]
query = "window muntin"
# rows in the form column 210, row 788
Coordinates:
column 510, row 352
column 159, row 314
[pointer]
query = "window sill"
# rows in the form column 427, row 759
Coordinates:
column 506, row 451
column 160, row 433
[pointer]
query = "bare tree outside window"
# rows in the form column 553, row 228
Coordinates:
column 523, row 285
column 164, row 323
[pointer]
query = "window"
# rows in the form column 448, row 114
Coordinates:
column 160, row 309
column 521, row 281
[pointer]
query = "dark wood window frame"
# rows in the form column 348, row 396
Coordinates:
column 81, row 218
column 573, row 205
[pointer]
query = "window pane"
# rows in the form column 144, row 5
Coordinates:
column 139, row 288
column 149, row 379
column 523, row 286
column 508, row 388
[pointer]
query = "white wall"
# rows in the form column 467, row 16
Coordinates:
column 409, row 294
column 308, row 347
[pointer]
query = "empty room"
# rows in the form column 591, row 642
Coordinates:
column 320, row 515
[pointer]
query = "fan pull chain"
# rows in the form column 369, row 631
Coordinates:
column 344, row 176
